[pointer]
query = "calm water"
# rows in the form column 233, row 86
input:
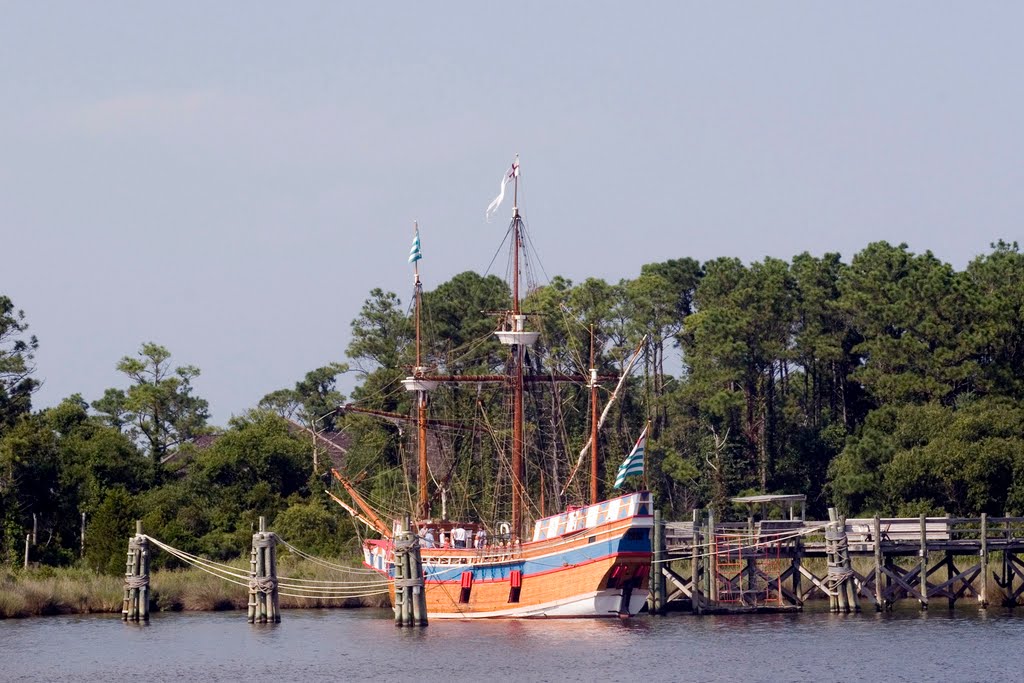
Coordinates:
column 340, row 645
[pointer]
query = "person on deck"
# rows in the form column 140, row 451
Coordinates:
column 481, row 538
column 459, row 536
column 428, row 538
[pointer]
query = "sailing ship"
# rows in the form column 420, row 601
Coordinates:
column 589, row 560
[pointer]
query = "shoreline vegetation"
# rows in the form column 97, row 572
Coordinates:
column 46, row 591
column 49, row 591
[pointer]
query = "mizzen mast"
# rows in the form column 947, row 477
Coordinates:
column 594, row 423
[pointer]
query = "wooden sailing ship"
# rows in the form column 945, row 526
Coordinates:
column 586, row 561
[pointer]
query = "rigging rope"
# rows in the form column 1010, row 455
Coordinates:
column 339, row 590
column 325, row 563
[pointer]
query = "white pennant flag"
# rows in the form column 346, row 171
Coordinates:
column 512, row 173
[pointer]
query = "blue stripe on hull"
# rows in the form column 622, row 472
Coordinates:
column 557, row 560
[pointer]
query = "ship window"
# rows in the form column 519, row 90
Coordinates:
column 513, row 593
column 466, row 587
column 592, row 539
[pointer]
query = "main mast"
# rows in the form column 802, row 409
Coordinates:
column 515, row 335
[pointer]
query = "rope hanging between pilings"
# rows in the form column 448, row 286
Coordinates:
column 307, row 589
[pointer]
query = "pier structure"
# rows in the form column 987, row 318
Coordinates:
column 776, row 560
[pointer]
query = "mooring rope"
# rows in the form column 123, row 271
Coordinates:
column 327, row 584
column 136, row 581
column 368, row 594
column 327, row 589
column 774, row 539
column 262, row 584
column 211, row 567
column 325, row 563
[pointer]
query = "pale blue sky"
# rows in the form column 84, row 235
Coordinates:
column 231, row 179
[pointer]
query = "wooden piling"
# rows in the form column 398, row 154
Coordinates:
column 850, row 577
column 143, row 571
column 656, row 602
column 924, row 562
column 272, row 567
column 136, row 578
column 837, row 597
column 983, row 552
column 263, row 596
column 252, row 591
column 798, row 555
column 416, row 577
column 410, row 596
column 129, row 571
column 696, row 579
column 399, row 558
column 712, row 564
column 876, row 533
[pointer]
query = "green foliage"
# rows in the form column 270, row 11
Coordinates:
column 963, row 460
column 381, row 333
column 313, row 401
column 458, row 313
column 17, row 354
column 313, row 528
column 109, row 530
column 160, row 405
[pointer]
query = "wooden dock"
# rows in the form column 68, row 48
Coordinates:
column 762, row 565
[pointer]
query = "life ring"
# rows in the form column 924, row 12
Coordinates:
column 504, row 529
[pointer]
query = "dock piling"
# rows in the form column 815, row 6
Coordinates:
column 263, row 597
column 696, row 575
column 924, row 562
column 983, row 553
column 410, row 598
column 135, row 606
column 876, row 534
column 657, row 597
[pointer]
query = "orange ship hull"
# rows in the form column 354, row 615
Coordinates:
column 593, row 562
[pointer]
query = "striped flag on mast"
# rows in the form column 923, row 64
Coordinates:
column 634, row 462
column 414, row 252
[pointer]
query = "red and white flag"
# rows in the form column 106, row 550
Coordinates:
column 512, row 173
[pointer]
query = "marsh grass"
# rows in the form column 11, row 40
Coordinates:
column 58, row 591
column 47, row 591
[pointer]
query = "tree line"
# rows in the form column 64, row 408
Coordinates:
column 891, row 384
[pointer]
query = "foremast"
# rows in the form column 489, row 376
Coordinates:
column 417, row 382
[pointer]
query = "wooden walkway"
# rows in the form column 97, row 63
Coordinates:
column 762, row 566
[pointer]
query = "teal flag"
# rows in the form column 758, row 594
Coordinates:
column 414, row 253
